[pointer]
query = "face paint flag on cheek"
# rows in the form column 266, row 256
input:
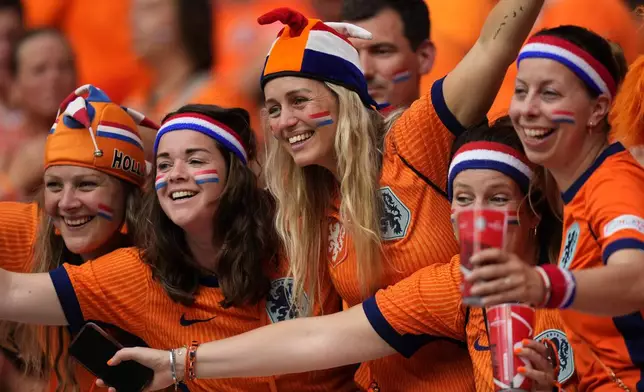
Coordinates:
column 563, row 117
column 513, row 218
column 206, row 176
column 322, row 119
column 401, row 76
column 160, row 182
column 105, row 212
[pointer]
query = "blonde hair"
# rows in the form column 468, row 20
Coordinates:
column 35, row 344
column 305, row 194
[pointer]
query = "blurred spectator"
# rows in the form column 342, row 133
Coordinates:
column 242, row 44
column 99, row 33
column 611, row 19
column 10, row 31
column 43, row 73
column 456, row 25
column 400, row 51
column 174, row 39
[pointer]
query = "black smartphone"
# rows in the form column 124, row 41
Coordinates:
column 93, row 347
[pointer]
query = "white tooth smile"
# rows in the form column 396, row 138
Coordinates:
column 182, row 195
column 76, row 222
column 300, row 138
column 537, row 132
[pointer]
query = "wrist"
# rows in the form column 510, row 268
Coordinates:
column 181, row 354
column 560, row 284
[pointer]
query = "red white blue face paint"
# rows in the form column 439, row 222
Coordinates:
column 401, row 76
column 512, row 218
column 160, row 182
column 206, row 176
column 563, row 117
column 105, row 212
column 322, row 119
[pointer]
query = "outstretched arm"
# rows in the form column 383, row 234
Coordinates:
column 30, row 299
column 471, row 87
column 304, row 344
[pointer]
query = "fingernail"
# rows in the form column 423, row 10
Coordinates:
column 521, row 369
column 525, row 342
column 517, row 350
column 109, row 362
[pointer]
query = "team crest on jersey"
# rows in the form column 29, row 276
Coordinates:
column 570, row 246
column 396, row 216
column 336, row 248
column 564, row 352
column 278, row 305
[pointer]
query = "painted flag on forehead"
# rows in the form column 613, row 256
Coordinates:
column 205, row 176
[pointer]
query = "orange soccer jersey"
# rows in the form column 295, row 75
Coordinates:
column 428, row 303
column 416, row 232
column 603, row 214
column 118, row 289
column 18, row 229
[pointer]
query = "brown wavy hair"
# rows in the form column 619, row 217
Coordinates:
column 39, row 350
column 243, row 225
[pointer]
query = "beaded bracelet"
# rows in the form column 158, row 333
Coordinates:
column 560, row 284
column 191, row 358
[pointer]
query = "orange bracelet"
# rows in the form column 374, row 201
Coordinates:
column 191, row 359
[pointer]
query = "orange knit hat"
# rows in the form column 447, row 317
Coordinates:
column 96, row 133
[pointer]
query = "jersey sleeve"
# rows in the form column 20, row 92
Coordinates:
column 616, row 209
column 424, row 133
column 18, row 226
column 423, row 307
column 112, row 289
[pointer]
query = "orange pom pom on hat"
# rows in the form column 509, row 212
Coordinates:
column 96, row 133
column 313, row 49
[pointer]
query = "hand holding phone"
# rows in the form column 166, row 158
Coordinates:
column 93, row 347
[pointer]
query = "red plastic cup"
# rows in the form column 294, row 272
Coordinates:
column 478, row 229
column 508, row 325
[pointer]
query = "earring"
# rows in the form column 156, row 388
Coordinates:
column 534, row 232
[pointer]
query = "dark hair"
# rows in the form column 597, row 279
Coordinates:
column 195, row 29
column 599, row 48
column 14, row 65
column 549, row 231
column 413, row 13
column 12, row 5
column 243, row 226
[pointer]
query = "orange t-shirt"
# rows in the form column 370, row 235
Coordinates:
column 118, row 289
column 18, row 228
column 428, row 303
column 609, row 18
column 100, row 35
column 604, row 213
column 416, row 232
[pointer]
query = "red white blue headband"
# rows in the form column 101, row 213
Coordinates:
column 490, row 156
column 223, row 134
column 593, row 73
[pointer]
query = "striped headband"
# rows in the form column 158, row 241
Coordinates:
column 223, row 134
column 593, row 73
column 490, row 156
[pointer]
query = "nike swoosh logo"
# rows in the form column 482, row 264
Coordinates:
column 478, row 347
column 186, row 323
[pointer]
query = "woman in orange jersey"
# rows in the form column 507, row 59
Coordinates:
column 566, row 82
column 489, row 170
column 208, row 264
column 351, row 185
column 94, row 171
